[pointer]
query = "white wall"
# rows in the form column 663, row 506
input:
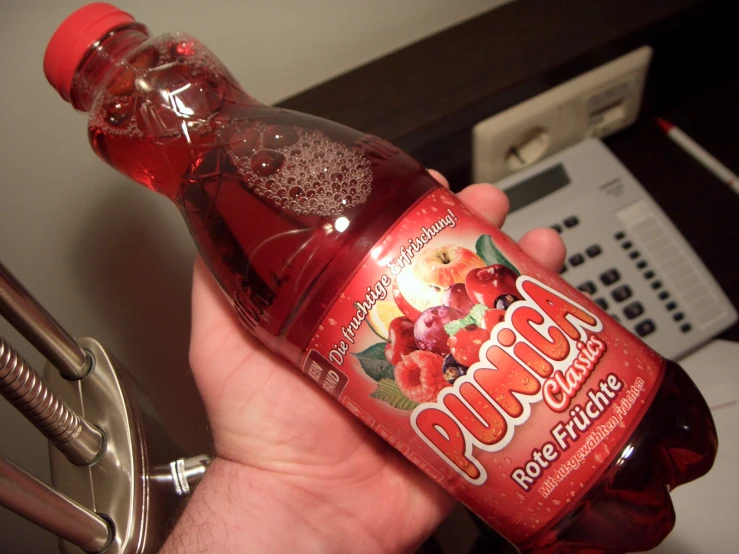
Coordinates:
column 107, row 257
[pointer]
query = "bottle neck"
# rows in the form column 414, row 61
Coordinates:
column 102, row 57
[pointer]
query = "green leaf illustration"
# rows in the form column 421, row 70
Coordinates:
column 374, row 363
column 490, row 254
column 474, row 317
column 477, row 313
column 388, row 391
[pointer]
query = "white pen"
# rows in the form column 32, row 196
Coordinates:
column 700, row 154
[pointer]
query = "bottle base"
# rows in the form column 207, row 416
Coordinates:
column 630, row 509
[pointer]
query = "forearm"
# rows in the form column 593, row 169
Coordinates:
column 236, row 509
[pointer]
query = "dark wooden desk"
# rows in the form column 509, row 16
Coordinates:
column 703, row 209
column 426, row 97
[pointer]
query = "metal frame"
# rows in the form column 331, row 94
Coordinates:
column 112, row 493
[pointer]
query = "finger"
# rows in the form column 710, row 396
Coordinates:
column 487, row 201
column 545, row 246
column 439, row 177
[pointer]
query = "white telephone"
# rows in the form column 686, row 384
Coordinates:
column 621, row 247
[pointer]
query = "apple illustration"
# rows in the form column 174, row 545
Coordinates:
column 413, row 296
column 445, row 265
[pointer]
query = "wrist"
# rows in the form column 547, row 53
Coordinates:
column 236, row 508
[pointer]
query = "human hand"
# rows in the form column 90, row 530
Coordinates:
column 295, row 471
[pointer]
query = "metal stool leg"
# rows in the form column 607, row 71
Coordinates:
column 24, row 313
column 29, row 497
column 79, row 441
column 102, row 458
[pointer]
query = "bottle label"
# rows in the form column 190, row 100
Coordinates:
column 495, row 377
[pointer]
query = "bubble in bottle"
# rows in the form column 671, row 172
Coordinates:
column 267, row 162
column 317, row 169
column 118, row 111
column 242, row 140
column 279, row 136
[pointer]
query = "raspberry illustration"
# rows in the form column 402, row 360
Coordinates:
column 419, row 376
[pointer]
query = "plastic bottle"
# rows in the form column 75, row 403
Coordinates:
column 340, row 252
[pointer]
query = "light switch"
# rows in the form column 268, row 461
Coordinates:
column 597, row 103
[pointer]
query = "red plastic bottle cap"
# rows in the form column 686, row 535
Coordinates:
column 73, row 39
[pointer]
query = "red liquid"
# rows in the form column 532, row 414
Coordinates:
column 282, row 269
column 630, row 510
column 228, row 161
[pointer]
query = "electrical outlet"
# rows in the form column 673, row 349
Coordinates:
column 595, row 104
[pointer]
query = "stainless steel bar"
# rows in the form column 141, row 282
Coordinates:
column 23, row 311
column 79, row 441
column 32, row 499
